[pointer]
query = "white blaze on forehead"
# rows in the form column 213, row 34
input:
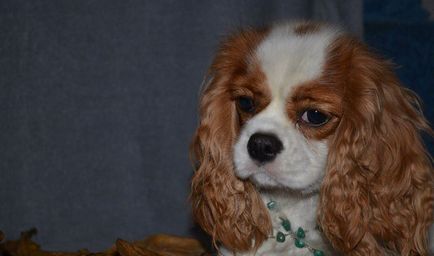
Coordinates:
column 288, row 59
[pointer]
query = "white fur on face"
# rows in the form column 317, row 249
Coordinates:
column 299, row 166
column 287, row 61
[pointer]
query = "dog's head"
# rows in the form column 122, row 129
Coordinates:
column 304, row 107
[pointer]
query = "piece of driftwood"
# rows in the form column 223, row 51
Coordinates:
column 156, row 245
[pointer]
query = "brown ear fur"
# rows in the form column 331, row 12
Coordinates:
column 378, row 191
column 227, row 208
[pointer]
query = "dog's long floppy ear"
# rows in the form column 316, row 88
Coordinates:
column 377, row 194
column 228, row 209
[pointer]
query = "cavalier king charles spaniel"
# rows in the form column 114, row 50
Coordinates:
column 308, row 145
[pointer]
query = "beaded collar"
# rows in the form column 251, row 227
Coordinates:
column 297, row 236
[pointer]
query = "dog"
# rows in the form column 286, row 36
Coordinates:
column 307, row 144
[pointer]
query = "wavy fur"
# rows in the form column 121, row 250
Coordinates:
column 377, row 194
column 229, row 209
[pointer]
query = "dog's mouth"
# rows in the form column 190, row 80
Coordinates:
column 264, row 176
column 267, row 177
column 264, row 179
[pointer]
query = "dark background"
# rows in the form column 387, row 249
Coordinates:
column 98, row 103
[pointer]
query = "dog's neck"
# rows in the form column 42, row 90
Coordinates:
column 299, row 209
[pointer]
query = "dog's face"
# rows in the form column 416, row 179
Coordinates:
column 305, row 107
column 288, row 112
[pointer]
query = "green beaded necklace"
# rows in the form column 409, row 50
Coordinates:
column 298, row 236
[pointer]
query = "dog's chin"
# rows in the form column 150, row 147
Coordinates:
column 263, row 180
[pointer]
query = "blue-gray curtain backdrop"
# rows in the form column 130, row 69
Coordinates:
column 98, row 103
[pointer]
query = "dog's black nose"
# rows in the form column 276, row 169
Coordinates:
column 264, row 147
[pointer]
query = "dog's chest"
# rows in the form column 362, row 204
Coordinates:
column 301, row 213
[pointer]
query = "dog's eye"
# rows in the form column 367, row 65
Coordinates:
column 246, row 104
column 314, row 117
